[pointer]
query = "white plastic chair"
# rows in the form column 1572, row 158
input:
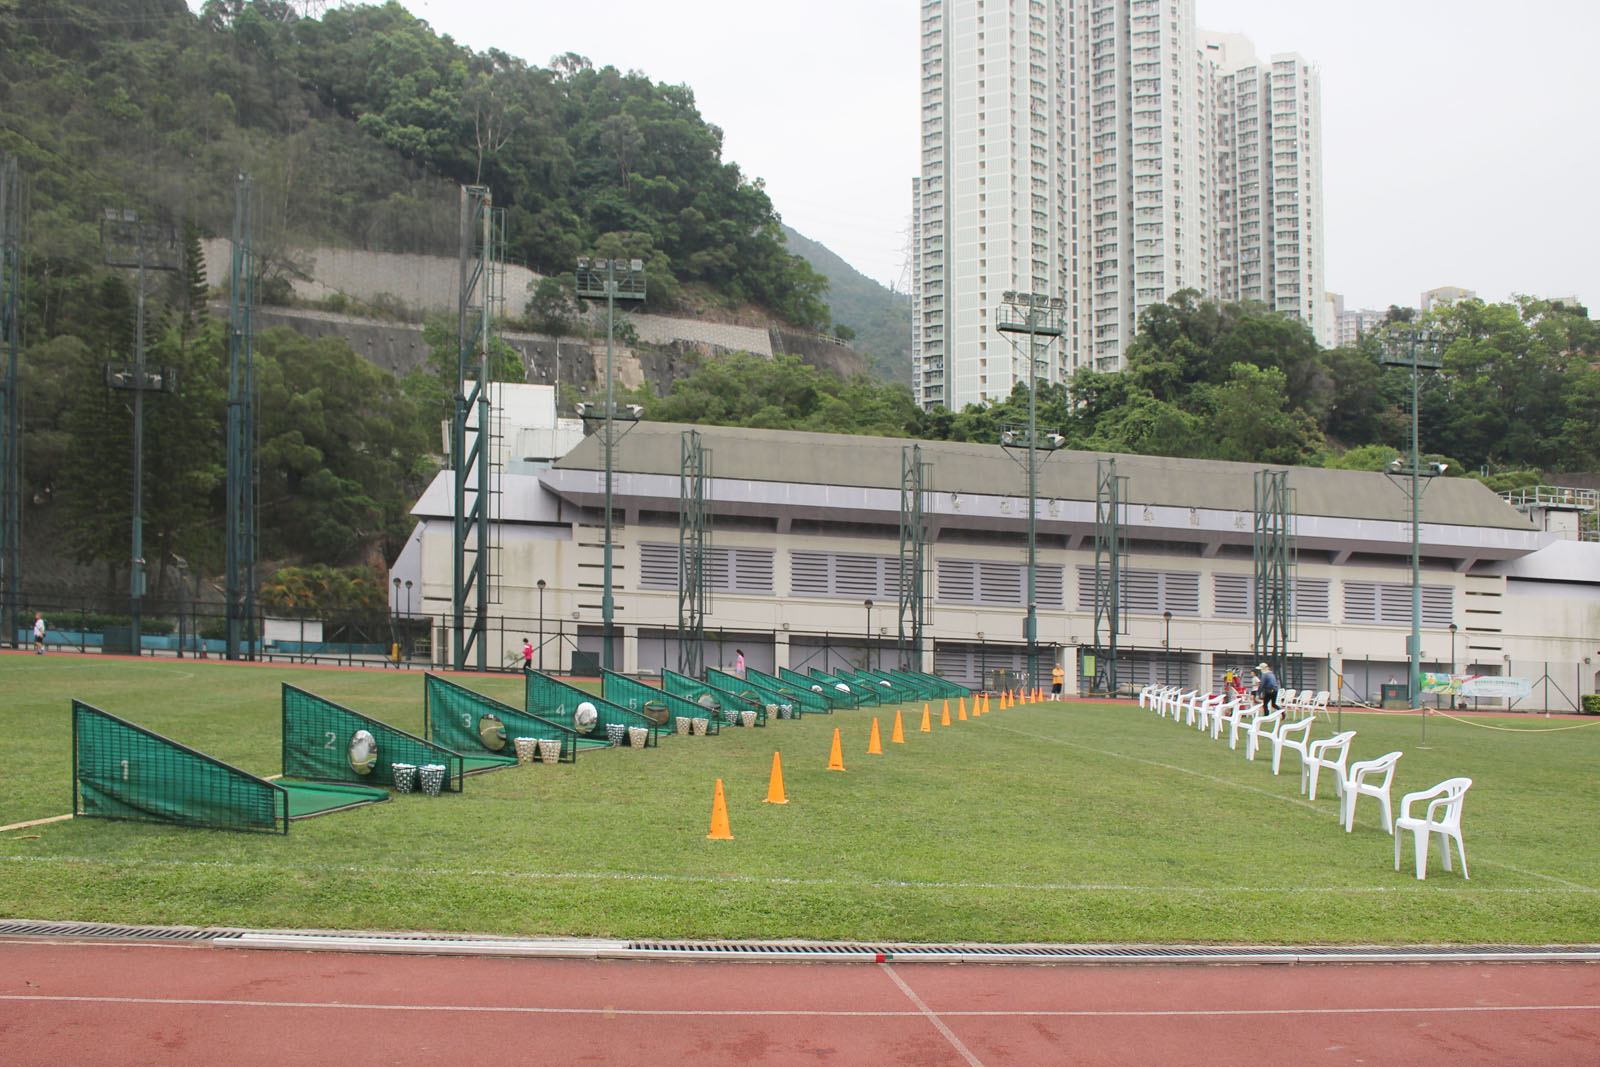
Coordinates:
column 1330, row 752
column 1318, row 704
column 1260, row 726
column 1286, row 699
column 1185, row 706
column 1443, row 818
column 1147, row 695
column 1242, row 715
column 1208, row 709
column 1294, row 735
column 1356, row 785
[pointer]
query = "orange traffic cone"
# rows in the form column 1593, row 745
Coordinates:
column 986, row 702
column 719, row 818
column 963, row 715
column 899, row 735
column 874, row 743
column 927, row 724
column 775, row 784
column 944, row 720
column 836, row 757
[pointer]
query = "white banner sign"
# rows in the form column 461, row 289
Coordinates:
column 1487, row 687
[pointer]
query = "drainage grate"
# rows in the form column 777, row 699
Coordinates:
column 833, row 951
column 108, row 931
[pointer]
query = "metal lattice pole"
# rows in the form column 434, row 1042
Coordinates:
column 470, row 431
column 914, row 556
column 1272, row 542
column 1108, row 552
column 243, row 478
column 10, row 430
column 694, row 548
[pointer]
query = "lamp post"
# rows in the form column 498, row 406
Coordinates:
column 1411, row 347
column 1166, row 645
column 1452, row 688
column 397, row 618
column 613, row 279
column 867, row 642
column 183, row 588
column 1038, row 316
column 540, row 585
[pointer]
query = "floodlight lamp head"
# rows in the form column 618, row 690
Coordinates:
column 636, row 264
column 1440, row 468
column 1009, row 437
column 1395, row 464
column 1056, row 440
column 636, row 410
column 583, row 262
column 581, row 407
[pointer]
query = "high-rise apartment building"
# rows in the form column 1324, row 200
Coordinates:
column 1099, row 152
column 992, row 209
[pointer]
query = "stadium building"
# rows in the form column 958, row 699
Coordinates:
column 805, row 546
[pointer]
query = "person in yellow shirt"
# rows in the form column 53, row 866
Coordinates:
column 1057, row 677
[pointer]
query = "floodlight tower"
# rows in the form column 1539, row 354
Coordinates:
column 144, row 247
column 615, row 280
column 1038, row 316
column 1416, row 348
column 10, row 454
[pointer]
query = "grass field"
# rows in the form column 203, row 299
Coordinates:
column 1051, row 822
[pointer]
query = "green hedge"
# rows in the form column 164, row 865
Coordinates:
column 94, row 623
column 1591, row 703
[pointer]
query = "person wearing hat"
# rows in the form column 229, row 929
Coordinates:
column 1267, row 689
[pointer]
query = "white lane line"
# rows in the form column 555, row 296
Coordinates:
column 949, row 1035
column 924, row 1011
column 851, row 883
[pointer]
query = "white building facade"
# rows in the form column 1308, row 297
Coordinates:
column 805, row 549
column 1107, row 154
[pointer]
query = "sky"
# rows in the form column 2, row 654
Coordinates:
column 1461, row 141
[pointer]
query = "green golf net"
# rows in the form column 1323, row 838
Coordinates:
column 731, row 704
column 827, row 693
column 801, row 697
column 320, row 741
column 559, row 702
column 482, row 728
column 861, row 694
column 647, row 699
column 123, row 771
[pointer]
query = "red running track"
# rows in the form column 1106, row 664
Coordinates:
column 89, row 1003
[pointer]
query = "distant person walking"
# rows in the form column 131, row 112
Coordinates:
column 738, row 662
column 38, row 634
column 527, row 654
column 1267, row 689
